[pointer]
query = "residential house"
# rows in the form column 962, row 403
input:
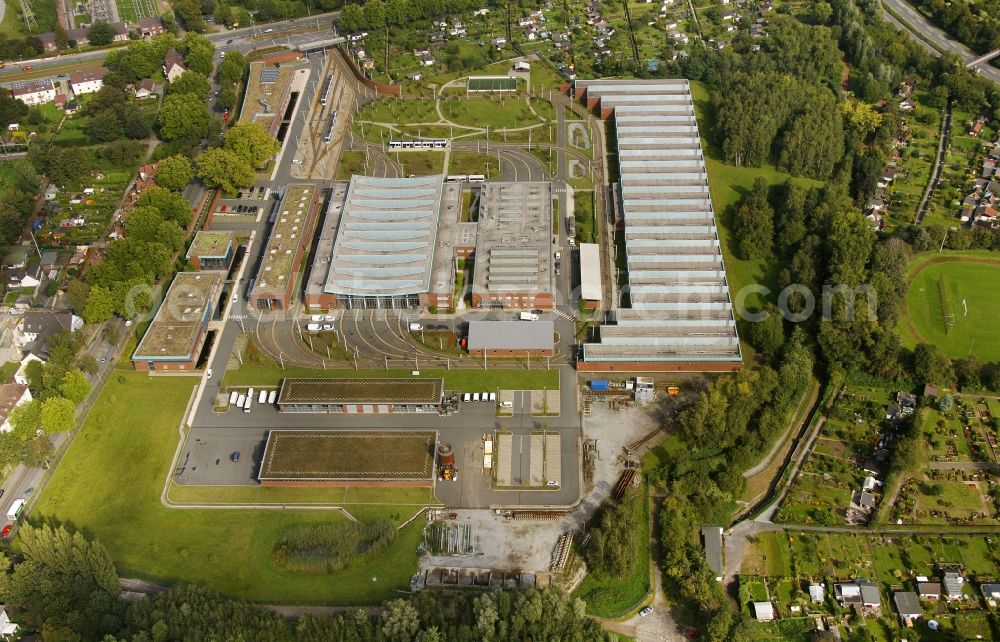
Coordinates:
column 36, row 325
column 907, row 105
column 817, row 593
column 930, row 591
column 870, row 483
column 908, row 607
column 148, row 171
column 864, row 500
column 847, row 593
column 906, row 400
column 991, row 592
column 173, row 65
column 763, row 611
column 22, row 279
column 48, row 259
column 953, row 583
column 21, row 376
column 35, row 92
column 870, row 596
column 16, row 257
column 149, row 27
column 12, row 395
column 144, row 89
column 977, row 126
column 85, row 82
column 61, row 100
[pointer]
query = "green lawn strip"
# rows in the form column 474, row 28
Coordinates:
column 465, row 379
column 462, row 162
column 976, row 283
column 612, row 597
column 109, row 485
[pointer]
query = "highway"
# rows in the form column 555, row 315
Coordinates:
column 286, row 33
column 933, row 38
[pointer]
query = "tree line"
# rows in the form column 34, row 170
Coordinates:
column 66, row 587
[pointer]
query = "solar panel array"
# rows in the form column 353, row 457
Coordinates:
column 269, row 75
column 680, row 304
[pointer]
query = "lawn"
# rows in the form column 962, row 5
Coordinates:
column 135, row 420
column 472, row 163
column 496, row 113
column 13, row 24
column 420, row 163
column 936, row 303
column 465, row 379
column 768, row 555
column 957, row 497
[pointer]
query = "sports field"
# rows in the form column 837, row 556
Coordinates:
column 955, row 305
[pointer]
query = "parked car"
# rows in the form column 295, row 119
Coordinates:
column 6, row 530
column 235, row 457
column 645, row 611
column 208, row 373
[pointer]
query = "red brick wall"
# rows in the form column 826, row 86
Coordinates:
column 661, row 366
column 166, row 366
column 394, row 90
column 518, row 301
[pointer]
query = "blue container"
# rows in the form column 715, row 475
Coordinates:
column 599, row 384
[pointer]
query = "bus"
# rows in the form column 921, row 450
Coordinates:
column 457, row 178
column 16, row 509
column 476, row 178
column 325, row 92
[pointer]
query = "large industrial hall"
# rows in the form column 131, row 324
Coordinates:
column 676, row 313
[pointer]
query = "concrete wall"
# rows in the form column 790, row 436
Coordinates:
column 516, row 301
column 166, row 366
column 415, row 483
column 512, row 353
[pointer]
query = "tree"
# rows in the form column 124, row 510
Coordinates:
column 753, row 223
column 183, row 118
column 12, row 110
column 250, row 142
column 930, row 365
column 223, row 169
column 400, row 621
column 768, row 335
column 100, row 305
column 88, row 363
column 62, row 580
column 174, row 172
column 351, row 18
column 946, row 402
column 75, row 386
column 231, row 68
column 26, row 419
column 105, row 126
column 134, row 123
column 190, row 82
column 58, row 414
column 199, row 53
column 171, row 205
column 100, row 34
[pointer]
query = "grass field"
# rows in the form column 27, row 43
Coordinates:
column 465, row 379
column 134, row 422
column 977, row 284
column 472, row 163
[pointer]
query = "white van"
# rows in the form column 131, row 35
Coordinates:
column 506, row 404
column 272, row 396
column 233, row 396
column 493, row 397
column 475, row 396
column 262, row 398
column 467, row 397
column 241, row 401
column 16, row 509
column 416, row 327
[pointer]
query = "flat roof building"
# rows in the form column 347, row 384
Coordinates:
column 514, row 247
column 387, row 243
column 676, row 313
column 360, row 395
column 290, row 235
column 591, row 290
column 268, row 92
column 512, row 338
column 348, row 457
column 212, row 250
column 177, row 333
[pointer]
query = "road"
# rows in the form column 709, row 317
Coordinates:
column 938, row 164
column 291, row 32
column 933, row 38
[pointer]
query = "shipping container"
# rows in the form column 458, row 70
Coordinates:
column 599, row 385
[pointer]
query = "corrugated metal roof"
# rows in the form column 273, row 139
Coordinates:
column 511, row 335
column 675, row 266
